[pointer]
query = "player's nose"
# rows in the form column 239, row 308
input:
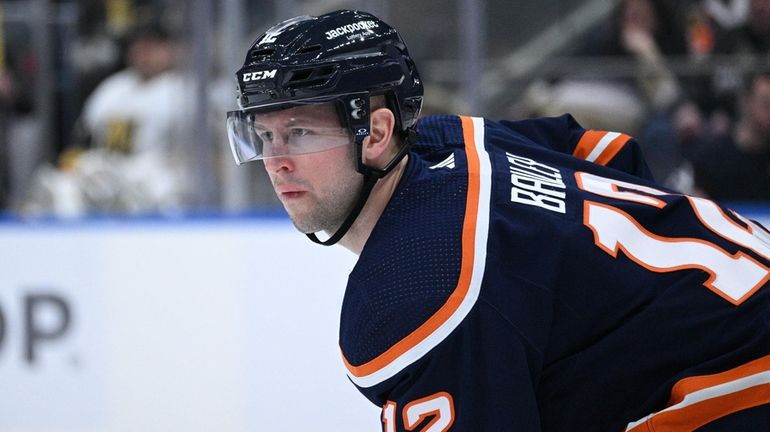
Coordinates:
column 277, row 164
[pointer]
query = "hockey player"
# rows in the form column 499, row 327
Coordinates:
column 512, row 276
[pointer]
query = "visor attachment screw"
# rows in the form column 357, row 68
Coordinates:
column 358, row 114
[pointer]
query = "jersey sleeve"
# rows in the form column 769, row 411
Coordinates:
column 467, row 383
column 563, row 134
column 736, row 399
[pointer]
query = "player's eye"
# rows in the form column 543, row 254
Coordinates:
column 265, row 135
column 300, row 132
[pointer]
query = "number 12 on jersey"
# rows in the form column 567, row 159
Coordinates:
column 440, row 406
column 733, row 277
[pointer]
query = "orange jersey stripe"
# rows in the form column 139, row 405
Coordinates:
column 466, row 269
column 720, row 395
column 692, row 384
column 612, row 149
column 600, row 146
column 697, row 415
column 587, row 143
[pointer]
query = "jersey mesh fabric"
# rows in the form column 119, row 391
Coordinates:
column 392, row 290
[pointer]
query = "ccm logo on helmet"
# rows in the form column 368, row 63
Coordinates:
column 259, row 75
column 351, row 28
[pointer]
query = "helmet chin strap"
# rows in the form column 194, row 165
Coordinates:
column 369, row 182
column 371, row 176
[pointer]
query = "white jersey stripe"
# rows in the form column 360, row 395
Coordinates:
column 601, row 146
column 707, row 393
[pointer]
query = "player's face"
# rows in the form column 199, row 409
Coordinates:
column 316, row 189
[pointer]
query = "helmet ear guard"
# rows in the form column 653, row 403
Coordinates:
column 354, row 110
column 357, row 113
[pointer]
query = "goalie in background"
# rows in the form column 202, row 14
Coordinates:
column 128, row 153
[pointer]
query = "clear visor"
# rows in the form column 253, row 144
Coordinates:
column 257, row 136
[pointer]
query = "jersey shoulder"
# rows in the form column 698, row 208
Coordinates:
column 565, row 135
column 437, row 137
column 406, row 293
column 410, row 264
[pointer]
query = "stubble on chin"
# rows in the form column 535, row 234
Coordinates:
column 327, row 214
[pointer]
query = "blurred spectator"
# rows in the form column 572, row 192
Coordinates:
column 128, row 151
column 96, row 51
column 727, row 13
column 13, row 102
column 735, row 37
column 20, row 150
column 643, row 32
column 103, row 27
column 736, row 166
column 15, row 94
column 637, row 96
column 743, row 47
column 134, row 110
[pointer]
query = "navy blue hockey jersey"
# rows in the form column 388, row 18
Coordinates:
column 531, row 276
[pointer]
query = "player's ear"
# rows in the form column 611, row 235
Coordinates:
column 376, row 146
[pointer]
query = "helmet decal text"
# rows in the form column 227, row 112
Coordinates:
column 351, row 28
column 259, row 75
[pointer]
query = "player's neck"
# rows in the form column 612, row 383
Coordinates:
column 359, row 233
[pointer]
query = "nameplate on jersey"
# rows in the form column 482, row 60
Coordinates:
column 536, row 184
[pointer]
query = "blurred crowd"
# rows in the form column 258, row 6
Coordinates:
column 118, row 121
column 690, row 79
column 119, row 129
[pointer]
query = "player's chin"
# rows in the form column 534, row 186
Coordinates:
column 303, row 222
column 309, row 225
column 305, row 228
